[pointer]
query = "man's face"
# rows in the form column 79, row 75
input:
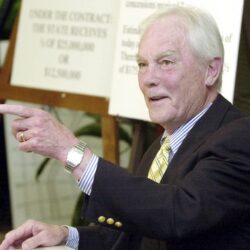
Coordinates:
column 170, row 77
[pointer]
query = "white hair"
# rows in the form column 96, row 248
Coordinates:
column 202, row 31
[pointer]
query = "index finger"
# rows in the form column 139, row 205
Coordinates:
column 18, row 110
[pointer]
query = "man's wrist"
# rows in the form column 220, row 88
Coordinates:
column 81, row 168
column 65, row 233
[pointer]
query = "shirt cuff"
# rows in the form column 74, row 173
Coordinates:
column 87, row 178
column 73, row 238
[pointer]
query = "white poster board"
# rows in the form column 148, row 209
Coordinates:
column 126, row 99
column 66, row 45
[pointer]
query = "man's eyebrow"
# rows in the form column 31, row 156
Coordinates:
column 158, row 56
column 166, row 53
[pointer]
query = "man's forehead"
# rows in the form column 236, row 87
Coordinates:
column 168, row 37
column 171, row 21
column 166, row 30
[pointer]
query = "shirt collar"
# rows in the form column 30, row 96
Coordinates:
column 180, row 134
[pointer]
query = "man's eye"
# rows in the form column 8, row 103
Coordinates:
column 165, row 64
column 141, row 65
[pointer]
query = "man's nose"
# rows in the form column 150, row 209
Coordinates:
column 150, row 75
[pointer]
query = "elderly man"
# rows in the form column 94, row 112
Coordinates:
column 195, row 192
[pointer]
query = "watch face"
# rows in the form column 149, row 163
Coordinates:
column 75, row 156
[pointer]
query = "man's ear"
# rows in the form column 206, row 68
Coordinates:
column 213, row 71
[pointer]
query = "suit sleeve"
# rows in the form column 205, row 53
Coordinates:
column 97, row 237
column 211, row 190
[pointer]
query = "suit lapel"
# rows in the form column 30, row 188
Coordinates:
column 209, row 123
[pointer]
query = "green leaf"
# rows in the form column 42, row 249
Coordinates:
column 124, row 135
column 11, row 17
column 41, row 168
column 93, row 129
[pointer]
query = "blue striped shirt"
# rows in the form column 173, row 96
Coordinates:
column 180, row 134
column 88, row 176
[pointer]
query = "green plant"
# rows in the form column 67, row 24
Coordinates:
column 9, row 9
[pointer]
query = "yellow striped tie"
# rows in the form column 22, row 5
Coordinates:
column 160, row 162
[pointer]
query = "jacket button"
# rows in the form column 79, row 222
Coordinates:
column 110, row 221
column 118, row 224
column 101, row 219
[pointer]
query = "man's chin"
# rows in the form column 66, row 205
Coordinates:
column 156, row 118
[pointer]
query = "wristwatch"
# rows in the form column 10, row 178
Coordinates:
column 75, row 156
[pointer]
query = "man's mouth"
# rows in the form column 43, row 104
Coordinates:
column 157, row 98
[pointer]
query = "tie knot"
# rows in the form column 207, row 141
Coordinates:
column 166, row 144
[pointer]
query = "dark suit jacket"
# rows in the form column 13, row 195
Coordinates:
column 203, row 201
